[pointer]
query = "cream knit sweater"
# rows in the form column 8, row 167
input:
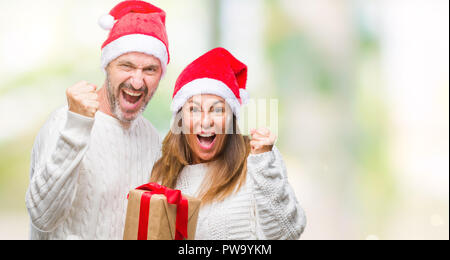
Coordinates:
column 83, row 168
column 264, row 208
column 81, row 172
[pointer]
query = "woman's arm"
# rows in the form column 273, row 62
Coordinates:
column 279, row 214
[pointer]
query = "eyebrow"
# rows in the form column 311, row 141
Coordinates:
column 198, row 104
column 154, row 67
column 129, row 64
column 194, row 102
column 218, row 101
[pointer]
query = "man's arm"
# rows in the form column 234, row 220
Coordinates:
column 57, row 152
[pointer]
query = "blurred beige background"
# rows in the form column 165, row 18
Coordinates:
column 362, row 88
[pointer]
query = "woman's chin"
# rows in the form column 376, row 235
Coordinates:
column 205, row 158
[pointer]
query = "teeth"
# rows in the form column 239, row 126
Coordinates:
column 132, row 94
column 206, row 135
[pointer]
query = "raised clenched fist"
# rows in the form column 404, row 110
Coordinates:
column 82, row 99
column 262, row 140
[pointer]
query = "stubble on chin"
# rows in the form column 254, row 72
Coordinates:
column 113, row 99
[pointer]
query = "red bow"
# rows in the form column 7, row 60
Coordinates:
column 173, row 197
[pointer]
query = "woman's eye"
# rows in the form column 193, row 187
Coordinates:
column 219, row 110
column 194, row 109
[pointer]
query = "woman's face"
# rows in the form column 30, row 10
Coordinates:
column 204, row 124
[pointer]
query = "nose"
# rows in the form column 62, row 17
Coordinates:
column 207, row 121
column 137, row 80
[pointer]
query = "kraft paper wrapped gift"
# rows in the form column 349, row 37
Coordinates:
column 158, row 213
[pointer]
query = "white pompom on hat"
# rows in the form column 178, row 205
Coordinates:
column 106, row 21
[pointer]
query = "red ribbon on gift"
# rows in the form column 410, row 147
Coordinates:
column 173, row 197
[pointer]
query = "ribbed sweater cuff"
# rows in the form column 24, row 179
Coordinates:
column 77, row 129
column 259, row 161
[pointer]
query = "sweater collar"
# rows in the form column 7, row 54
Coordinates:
column 107, row 118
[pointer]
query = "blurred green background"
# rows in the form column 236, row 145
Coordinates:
column 362, row 88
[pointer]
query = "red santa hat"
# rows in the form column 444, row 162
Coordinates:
column 135, row 26
column 216, row 72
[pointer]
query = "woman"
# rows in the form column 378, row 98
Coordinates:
column 242, row 183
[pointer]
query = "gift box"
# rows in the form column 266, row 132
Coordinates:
column 156, row 212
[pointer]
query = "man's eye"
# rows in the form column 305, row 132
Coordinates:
column 125, row 67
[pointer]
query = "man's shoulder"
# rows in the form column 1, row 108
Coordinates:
column 49, row 129
column 60, row 114
column 149, row 129
column 148, row 125
column 56, row 118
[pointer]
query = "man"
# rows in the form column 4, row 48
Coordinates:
column 89, row 154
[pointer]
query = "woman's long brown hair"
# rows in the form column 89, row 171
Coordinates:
column 227, row 173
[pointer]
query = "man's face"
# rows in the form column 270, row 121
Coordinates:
column 132, row 79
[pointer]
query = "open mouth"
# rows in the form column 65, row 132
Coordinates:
column 131, row 97
column 206, row 141
column 131, row 100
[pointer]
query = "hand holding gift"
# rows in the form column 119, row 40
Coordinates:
column 156, row 212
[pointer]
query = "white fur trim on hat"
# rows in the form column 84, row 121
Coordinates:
column 205, row 86
column 245, row 97
column 135, row 43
